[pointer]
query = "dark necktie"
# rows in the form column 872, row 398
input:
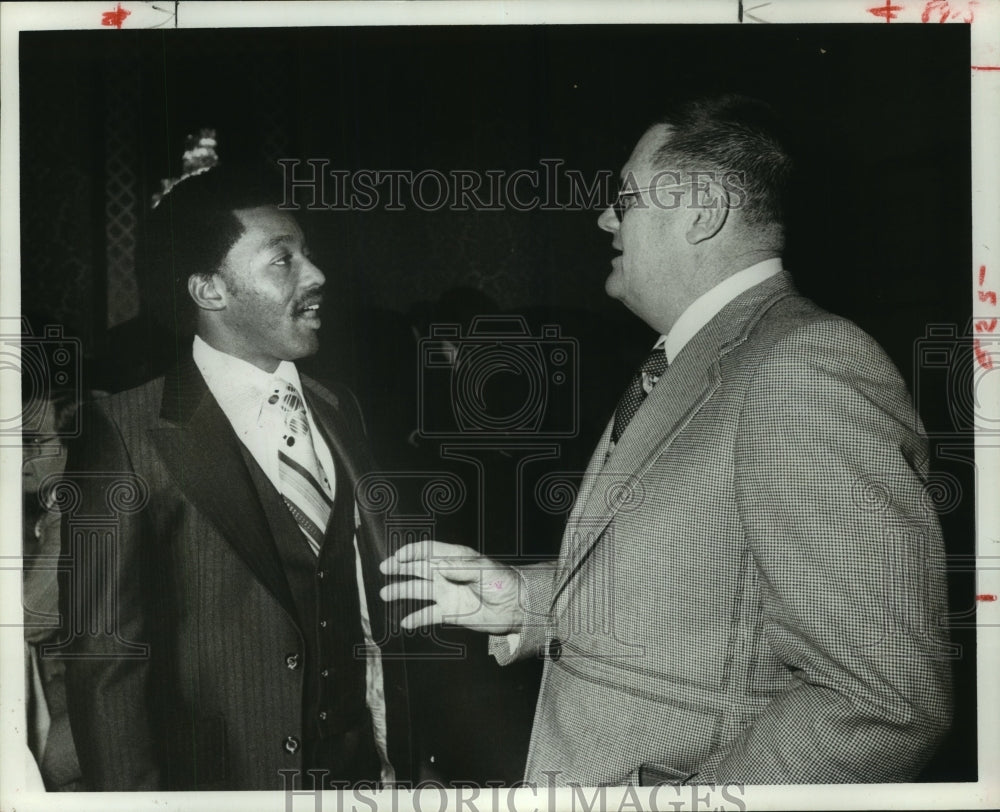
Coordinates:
column 639, row 387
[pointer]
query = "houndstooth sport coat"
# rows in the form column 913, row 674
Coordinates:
column 750, row 588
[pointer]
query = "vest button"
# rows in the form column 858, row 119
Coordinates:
column 324, row 673
column 322, row 624
column 322, row 716
column 292, row 744
column 292, row 661
column 555, row 649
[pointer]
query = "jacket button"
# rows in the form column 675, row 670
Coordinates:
column 324, row 673
column 292, row 744
column 322, row 716
column 555, row 649
column 321, row 574
column 322, row 624
column 292, row 661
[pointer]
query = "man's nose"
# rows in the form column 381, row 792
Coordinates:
column 312, row 276
column 608, row 221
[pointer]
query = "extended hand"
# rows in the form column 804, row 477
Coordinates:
column 467, row 589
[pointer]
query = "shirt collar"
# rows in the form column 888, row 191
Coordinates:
column 703, row 309
column 229, row 377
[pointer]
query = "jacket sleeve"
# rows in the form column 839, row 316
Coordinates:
column 830, row 472
column 536, row 595
column 106, row 619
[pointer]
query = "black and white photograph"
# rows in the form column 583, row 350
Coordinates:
column 507, row 408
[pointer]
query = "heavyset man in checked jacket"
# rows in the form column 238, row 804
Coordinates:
column 750, row 582
column 219, row 639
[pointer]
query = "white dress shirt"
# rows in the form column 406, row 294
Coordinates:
column 707, row 306
column 699, row 313
column 242, row 391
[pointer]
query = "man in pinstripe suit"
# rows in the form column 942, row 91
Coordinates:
column 750, row 583
column 225, row 636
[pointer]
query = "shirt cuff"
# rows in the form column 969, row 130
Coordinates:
column 504, row 647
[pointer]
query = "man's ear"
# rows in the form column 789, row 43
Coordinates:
column 710, row 210
column 204, row 290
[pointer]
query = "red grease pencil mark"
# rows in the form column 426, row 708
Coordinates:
column 983, row 357
column 984, row 326
column 888, row 11
column 115, row 18
column 989, row 296
column 985, row 67
column 945, row 11
column 988, row 598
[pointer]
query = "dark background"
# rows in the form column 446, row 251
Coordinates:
column 880, row 231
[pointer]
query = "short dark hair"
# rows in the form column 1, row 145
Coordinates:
column 192, row 229
column 732, row 133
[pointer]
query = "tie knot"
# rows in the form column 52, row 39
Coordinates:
column 290, row 399
column 293, row 410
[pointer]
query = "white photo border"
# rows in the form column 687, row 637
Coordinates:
column 984, row 276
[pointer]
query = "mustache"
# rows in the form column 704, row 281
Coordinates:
column 310, row 298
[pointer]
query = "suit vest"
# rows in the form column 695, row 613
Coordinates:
column 337, row 734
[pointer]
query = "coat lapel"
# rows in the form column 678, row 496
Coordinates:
column 350, row 448
column 617, row 484
column 345, row 436
column 202, row 453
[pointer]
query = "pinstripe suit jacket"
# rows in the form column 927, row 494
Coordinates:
column 179, row 676
column 749, row 589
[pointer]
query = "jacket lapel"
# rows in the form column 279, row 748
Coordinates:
column 202, row 453
column 350, row 448
column 688, row 383
column 345, row 436
column 617, row 485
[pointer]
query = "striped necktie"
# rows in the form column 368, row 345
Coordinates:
column 639, row 387
column 304, row 486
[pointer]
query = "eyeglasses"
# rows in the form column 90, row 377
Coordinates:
column 626, row 199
